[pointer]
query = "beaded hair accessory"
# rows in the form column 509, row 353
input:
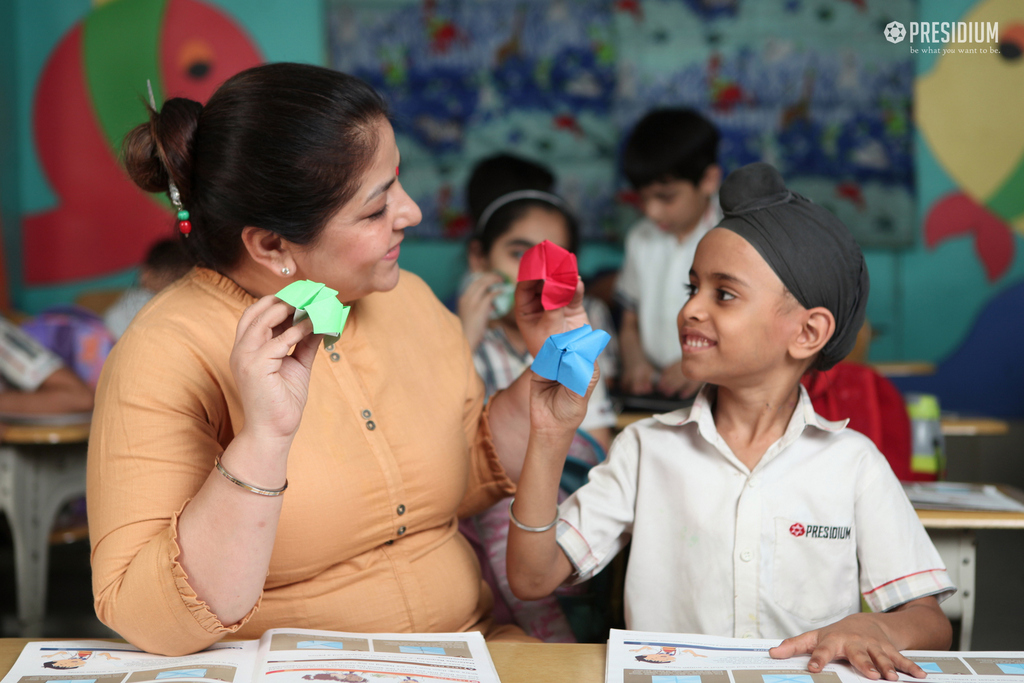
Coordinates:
column 184, row 225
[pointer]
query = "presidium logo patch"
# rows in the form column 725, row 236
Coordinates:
column 838, row 533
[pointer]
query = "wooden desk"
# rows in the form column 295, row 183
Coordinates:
column 42, row 467
column 515, row 662
column 907, row 368
column 952, row 532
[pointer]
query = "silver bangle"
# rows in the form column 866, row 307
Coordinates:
column 534, row 529
column 249, row 487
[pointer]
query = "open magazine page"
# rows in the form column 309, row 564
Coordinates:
column 645, row 657
column 304, row 656
column 85, row 661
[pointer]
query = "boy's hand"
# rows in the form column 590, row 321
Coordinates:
column 860, row 639
column 674, row 383
column 555, row 410
column 637, row 377
column 536, row 324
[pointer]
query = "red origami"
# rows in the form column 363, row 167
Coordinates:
column 556, row 267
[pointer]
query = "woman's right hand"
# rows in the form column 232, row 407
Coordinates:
column 475, row 306
column 273, row 384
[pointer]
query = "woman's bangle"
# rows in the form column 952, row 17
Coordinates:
column 249, row 487
column 534, row 529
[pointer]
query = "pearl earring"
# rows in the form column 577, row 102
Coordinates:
column 285, row 271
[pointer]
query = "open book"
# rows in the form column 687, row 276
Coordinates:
column 280, row 656
column 643, row 657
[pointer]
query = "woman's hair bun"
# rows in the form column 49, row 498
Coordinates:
column 163, row 147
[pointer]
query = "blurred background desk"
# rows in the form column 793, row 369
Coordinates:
column 953, row 532
column 41, row 468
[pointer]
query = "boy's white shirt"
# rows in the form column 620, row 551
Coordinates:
column 770, row 553
column 653, row 281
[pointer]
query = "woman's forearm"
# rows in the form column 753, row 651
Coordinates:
column 226, row 533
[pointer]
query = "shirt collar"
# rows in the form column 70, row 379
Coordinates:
column 700, row 414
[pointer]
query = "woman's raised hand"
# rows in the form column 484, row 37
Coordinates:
column 536, row 324
column 273, row 384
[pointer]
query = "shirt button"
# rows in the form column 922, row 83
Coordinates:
column 370, row 425
column 329, row 347
column 401, row 530
column 335, row 357
column 389, row 542
column 748, row 635
column 752, row 483
column 366, row 414
column 746, row 555
column 401, row 509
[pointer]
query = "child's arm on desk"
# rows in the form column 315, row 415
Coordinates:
column 872, row 642
column 536, row 564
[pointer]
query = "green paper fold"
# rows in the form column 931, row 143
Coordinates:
column 320, row 303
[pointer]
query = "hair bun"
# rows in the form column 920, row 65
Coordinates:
column 162, row 148
column 753, row 187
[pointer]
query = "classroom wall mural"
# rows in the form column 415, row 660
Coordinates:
column 964, row 284
column 87, row 98
column 804, row 84
column 81, row 69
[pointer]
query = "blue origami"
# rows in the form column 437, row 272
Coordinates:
column 568, row 358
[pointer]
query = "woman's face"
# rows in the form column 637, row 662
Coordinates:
column 357, row 252
column 535, row 226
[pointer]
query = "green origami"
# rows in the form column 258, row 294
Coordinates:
column 320, row 303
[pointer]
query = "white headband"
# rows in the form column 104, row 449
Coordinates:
column 504, row 199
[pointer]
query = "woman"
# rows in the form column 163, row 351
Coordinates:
column 203, row 417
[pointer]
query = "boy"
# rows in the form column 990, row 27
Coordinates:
column 749, row 514
column 166, row 261
column 670, row 159
column 33, row 380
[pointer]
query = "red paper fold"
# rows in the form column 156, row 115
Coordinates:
column 556, row 267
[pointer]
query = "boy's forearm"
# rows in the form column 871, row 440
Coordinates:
column 536, row 564
column 918, row 625
column 629, row 340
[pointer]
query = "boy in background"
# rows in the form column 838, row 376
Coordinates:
column 165, row 262
column 670, row 158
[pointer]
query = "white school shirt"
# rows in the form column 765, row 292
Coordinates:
column 770, row 553
column 653, row 280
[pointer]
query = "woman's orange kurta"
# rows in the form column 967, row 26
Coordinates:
column 393, row 447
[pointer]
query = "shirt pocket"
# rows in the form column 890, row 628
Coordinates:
column 814, row 576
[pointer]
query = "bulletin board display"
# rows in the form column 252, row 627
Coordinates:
column 810, row 86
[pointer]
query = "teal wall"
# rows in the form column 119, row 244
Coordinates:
column 29, row 31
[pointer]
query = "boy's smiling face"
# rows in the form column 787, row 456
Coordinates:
column 740, row 323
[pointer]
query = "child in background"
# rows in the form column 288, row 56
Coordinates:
column 749, row 514
column 670, row 158
column 514, row 209
column 165, row 262
column 34, row 380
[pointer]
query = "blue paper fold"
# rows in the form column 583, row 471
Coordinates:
column 568, row 358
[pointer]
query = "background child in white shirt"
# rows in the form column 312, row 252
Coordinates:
column 670, row 159
column 749, row 514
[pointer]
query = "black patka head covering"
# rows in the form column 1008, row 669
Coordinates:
column 810, row 250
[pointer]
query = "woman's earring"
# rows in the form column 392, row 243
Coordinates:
column 285, row 271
